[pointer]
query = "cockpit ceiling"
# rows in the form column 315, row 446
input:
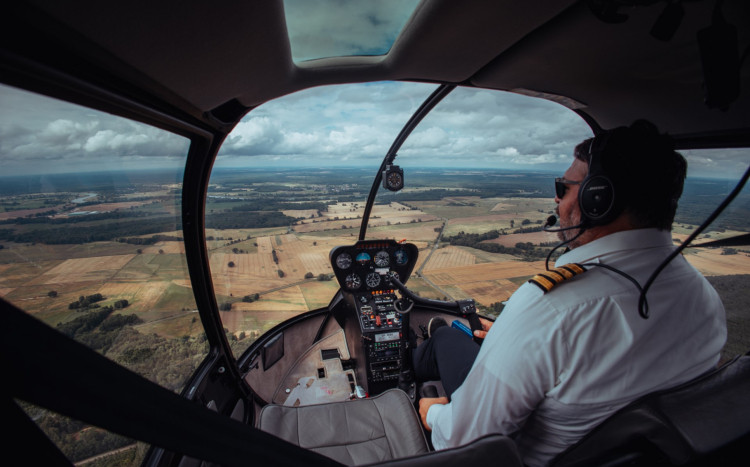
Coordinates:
column 620, row 72
column 200, row 55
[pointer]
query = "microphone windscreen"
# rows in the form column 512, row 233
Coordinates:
column 551, row 220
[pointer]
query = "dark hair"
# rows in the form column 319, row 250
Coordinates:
column 647, row 172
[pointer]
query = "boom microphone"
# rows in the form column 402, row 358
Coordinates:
column 552, row 220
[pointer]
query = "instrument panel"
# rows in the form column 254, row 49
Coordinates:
column 363, row 271
column 366, row 265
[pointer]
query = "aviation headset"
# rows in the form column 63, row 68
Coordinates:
column 597, row 196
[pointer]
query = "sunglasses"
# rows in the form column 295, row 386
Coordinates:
column 561, row 186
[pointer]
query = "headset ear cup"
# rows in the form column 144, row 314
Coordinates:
column 596, row 198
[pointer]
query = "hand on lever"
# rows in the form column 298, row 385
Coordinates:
column 424, row 405
column 486, row 325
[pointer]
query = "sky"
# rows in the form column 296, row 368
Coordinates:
column 356, row 125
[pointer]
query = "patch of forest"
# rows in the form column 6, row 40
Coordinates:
column 525, row 251
column 248, row 220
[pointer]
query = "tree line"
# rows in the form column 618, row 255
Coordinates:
column 119, row 214
column 273, row 205
column 106, row 231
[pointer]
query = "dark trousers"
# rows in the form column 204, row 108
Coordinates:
column 447, row 357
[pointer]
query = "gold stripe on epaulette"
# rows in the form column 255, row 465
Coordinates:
column 548, row 279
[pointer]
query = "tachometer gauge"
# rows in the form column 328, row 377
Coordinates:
column 372, row 280
column 353, row 282
column 381, row 259
column 401, row 257
column 344, row 260
column 363, row 258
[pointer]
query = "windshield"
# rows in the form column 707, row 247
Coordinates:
column 289, row 184
column 292, row 180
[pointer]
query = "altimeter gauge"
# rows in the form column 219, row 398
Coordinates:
column 344, row 260
column 372, row 280
column 353, row 282
column 381, row 259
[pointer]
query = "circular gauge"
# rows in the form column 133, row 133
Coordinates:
column 363, row 258
column 401, row 257
column 395, row 180
column 344, row 260
column 381, row 259
column 372, row 280
column 353, row 281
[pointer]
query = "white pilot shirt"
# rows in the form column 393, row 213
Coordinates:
column 555, row 365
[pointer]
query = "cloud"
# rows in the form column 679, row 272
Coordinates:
column 499, row 130
column 39, row 133
column 358, row 122
column 721, row 163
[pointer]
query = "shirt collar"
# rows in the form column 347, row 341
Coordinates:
column 615, row 242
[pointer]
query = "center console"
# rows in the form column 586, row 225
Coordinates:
column 382, row 333
column 363, row 271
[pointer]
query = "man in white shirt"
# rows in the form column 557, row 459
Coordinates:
column 572, row 346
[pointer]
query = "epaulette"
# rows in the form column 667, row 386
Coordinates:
column 552, row 277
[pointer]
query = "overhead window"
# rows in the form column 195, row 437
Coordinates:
column 334, row 28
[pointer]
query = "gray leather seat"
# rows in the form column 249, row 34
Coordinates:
column 356, row 432
column 700, row 422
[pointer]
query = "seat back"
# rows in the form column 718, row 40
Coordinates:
column 679, row 425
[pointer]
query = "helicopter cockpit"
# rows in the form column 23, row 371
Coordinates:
column 222, row 248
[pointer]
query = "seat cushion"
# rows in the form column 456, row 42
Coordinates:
column 355, row 432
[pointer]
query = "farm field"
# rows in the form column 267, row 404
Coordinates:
column 264, row 275
column 155, row 285
column 711, row 262
column 533, row 237
column 478, row 215
column 486, row 283
column 349, row 215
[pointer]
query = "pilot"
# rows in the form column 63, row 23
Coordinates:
column 570, row 347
